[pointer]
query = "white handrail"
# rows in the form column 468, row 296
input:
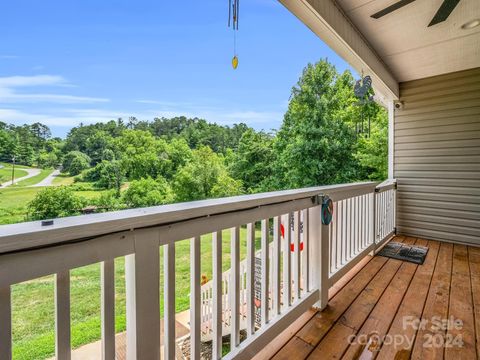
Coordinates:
column 363, row 217
column 32, row 234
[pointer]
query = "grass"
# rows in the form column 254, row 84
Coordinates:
column 35, row 179
column 13, row 203
column 9, row 165
column 6, row 174
column 63, row 179
column 33, row 301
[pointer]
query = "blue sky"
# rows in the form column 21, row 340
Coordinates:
column 63, row 62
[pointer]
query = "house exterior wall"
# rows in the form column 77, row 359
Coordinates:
column 437, row 157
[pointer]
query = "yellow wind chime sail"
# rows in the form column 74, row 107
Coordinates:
column 233, row 11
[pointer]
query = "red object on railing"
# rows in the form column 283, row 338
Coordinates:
column 292, row 245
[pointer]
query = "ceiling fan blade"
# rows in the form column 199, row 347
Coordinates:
column 391, row 8
column 444, row 11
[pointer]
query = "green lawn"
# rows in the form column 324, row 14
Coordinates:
column 35, row 179
column 9, row 165
column 6, row 174
column 33, row 302
column 13, row 203
column 63, row 179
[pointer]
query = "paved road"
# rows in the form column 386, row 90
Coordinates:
column 49, row 179
column 31, row 173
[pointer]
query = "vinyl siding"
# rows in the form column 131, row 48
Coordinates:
column 437, row 157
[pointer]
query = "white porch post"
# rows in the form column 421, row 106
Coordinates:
column 391, row 138
column 319, row 249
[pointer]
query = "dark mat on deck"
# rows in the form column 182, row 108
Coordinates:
column 412, row 253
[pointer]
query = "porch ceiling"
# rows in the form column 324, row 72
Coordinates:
column 411, row 49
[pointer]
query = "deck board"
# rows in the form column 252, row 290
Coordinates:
column 412, row 307
column 474, row 262
column 461, row 308
column 386, row 291
column 436, row 306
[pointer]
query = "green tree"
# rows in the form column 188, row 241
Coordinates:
column 47, row 160
column 97, row 144
column 253, row 162
column 204, row 176
column 148, row 192
column 142, row 154
column 317, row 141
column 75, row 162
column 111, row 175
column 54, row 202
column 372, row 151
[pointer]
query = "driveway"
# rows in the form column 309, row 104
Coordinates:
column 49, row 179
column 31, row 173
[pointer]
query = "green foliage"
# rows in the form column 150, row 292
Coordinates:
column 253, row 162
column 111, row 175
column 25, row 142
column 204, row 176
column 372, row 151
column 96, row 146
column 317, row 142
column 75, row 162
column 148, row 192
column 47, row 160
column 109, row 201
column 54, row 202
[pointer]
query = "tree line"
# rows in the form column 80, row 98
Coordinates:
column 327, row 136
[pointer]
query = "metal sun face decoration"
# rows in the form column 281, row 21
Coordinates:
column 233, row 11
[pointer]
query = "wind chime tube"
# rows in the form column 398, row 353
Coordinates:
column 229, row 11
column 238, row 10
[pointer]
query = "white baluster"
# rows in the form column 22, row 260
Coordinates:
column 62, row 315
column 217, row 295
column 5, row 323
column 107, row 279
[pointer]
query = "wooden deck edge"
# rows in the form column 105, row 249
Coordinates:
column 283, row 338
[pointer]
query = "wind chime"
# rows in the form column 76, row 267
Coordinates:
column 233, row 11
column 361, row 89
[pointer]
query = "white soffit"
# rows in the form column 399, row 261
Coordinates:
column 326, row 19
column 411, row 49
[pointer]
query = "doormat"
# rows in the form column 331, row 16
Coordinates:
column 404, row 252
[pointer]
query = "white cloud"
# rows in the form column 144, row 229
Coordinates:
column 73, row 117
column 36, row 80
column 218, row 114
column 10, row 84
column 69, row 119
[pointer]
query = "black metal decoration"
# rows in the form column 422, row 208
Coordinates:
column 362, row 92
column 362, row 87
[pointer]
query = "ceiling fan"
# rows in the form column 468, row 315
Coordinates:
column 441, row 15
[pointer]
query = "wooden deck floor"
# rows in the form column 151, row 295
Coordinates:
column 384, row 298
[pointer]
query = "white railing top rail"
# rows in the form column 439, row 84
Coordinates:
column 386, row 185
column 30, row 235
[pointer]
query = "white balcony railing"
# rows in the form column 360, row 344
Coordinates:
column 298, row 260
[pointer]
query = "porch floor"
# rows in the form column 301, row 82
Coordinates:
column 384, row 298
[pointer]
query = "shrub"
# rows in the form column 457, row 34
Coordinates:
column 109, row 201
column 148, row 192
column 75, row 162
column 53, row 202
